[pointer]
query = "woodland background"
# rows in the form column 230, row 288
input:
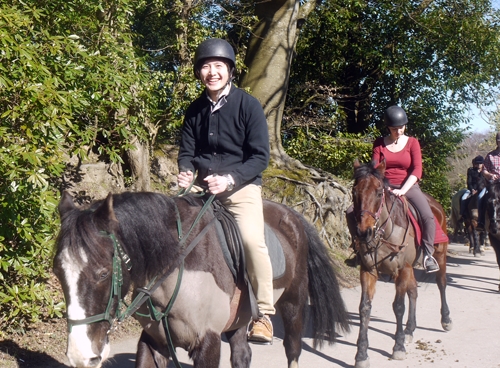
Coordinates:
column 92, row 96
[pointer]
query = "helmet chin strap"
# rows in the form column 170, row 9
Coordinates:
column 227, row 83
column 223, row 88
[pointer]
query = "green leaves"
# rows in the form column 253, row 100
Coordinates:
column 67, row 76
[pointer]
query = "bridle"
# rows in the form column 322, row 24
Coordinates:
column 116, row 290
column 144, row 294
column 377, row 214
column 379, row 229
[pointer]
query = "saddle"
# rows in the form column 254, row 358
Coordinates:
column 439, row 236
column 231, row 244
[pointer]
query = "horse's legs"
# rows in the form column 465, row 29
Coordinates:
column 206, row 354
column 148, row 355
column 440, row 256
column 368, row 284
column 495, row 244
column 241, row 354
column 411, row 323
column 292, row 313
column 405, row 283
column 476, row 248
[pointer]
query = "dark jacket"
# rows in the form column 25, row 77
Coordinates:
column 233, row 140
column 474, row 179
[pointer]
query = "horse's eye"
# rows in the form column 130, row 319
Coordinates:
column 103, row 275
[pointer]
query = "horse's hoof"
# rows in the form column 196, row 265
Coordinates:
column 447, row 326
column 477, row 255
column 399, row 355
column 408, row 339
column 362, row 363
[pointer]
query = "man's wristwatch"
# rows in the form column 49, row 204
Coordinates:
column 230, row 182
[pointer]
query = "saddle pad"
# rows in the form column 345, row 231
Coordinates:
column 275, row 253
column 274, row 247
column 439, row 235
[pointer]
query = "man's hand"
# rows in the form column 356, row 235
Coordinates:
column 185, row 178
column 216, row 184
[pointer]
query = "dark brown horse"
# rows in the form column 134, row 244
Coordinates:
column 184, row 293
column 475, row 236
column 492, row 200
column 386, row 241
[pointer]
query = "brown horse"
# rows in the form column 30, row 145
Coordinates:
column 386, row 241
column 184, row 292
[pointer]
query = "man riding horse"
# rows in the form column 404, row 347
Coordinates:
column 225, row 142
column 491, row 172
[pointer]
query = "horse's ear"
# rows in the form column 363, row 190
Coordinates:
column 380, row 167
column 106, row 215
column 356, row 164
column 66, row 203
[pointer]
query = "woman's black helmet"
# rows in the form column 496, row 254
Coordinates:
column 395, row 116
column 478, row 159
column 214, row 47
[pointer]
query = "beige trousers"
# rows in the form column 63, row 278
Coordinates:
column 246, row 206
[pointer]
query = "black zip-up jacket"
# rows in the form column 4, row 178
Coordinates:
column 474, row 179
column 233, row 140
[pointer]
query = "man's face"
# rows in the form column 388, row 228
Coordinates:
column 214, row 74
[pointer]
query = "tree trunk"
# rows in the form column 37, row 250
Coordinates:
column 138, row 159
column 269, row 57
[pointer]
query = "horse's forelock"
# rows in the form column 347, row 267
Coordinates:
column 79, row 234
column 366, row 170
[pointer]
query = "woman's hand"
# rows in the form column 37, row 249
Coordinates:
column 185, row 178
column 398, row 192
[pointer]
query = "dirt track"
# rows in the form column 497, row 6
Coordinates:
column 474, row 341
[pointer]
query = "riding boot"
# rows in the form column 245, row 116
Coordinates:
column 430, row 263
column 354, row 261
column 480, row 220
column 481, row 212
column 462, row 211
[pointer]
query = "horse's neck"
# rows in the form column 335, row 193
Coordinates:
column 394, row 211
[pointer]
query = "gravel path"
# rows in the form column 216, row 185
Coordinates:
column 474, row 341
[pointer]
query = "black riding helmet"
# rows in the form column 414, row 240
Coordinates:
column 478, row 159
column 395, row 116
column 214, row 47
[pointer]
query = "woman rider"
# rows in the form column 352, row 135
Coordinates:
column 403, row 160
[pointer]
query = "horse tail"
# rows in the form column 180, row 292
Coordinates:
column 327, row 306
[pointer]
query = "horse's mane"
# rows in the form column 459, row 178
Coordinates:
column 494, row 190
column 147, row 232
column 369, row 169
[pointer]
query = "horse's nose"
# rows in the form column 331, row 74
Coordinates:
column 365, row 235
column 95, row 362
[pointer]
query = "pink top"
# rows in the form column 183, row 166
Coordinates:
column 399, row 165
